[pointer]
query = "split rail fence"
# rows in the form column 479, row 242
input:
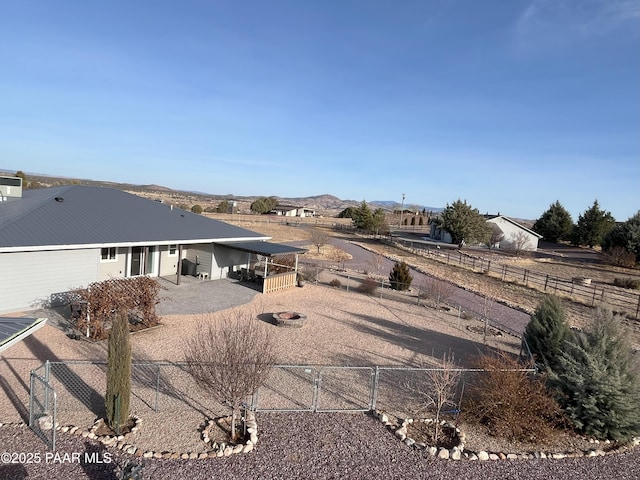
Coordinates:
column 619, row 299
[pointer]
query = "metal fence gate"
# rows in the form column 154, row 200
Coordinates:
column 300, row 388
column 43, row 405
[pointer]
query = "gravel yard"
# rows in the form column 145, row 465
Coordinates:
column 343, row 328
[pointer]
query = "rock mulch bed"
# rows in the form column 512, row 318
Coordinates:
column 215, row 449
column 457, row 452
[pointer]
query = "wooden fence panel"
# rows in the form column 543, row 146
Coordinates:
column 279, row 281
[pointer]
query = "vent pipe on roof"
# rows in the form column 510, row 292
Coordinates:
column 59, row 199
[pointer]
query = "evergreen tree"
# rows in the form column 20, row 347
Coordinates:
column 400, row 276
column 223, row 207
column 347, row 213
column 264, row 204
column 547, row 332
column 600, row 382
column 118, row 371
column 592, row 226
column 464, row 223
column 554, row 224
column 625, row 235
column 363, row 217
column 197, row 209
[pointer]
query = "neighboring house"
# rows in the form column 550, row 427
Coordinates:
column 515, row 236
column 292, row 211
column 56, row 239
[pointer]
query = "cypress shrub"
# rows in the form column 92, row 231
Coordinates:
column 599, row 380
column 400, row 277
column 118, row 371
column 547, row 332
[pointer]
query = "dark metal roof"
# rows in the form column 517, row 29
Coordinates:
column 77, row 215
column 267, row 249
column 14, row 329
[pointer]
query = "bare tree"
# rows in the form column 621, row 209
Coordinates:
column 436, row 389
column 488, row 303
column 439, row 290
column 376, row 261
column 231, row 358
column 496, row 236
column 519, row 243
column 340, row 256
column 319, row 238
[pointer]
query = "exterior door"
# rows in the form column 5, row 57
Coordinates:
column 137, row 254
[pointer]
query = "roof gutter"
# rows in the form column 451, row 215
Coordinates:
column 45, row 248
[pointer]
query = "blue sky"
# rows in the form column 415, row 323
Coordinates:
column 509, row 104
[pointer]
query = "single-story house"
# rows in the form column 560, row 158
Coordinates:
column 56, row 239
column 513, row 234
column 292, row 211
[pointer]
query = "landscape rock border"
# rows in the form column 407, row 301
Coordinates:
column 458, row 453
column 120, row 442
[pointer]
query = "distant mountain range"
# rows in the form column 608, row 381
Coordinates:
column 327, row 205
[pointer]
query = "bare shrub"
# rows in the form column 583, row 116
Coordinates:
column 436, row 389
column 310, row 273
column 621, row 257
column 519, row 243
column 631, row 283
column 134, row 296
column 335, row 283
column 231, row 358
column 368, row 286
column 512, row 403
column 376, row 261
column 438, row 290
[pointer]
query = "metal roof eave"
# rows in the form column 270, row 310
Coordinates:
column 267, row 249
column 15, row 337
column 41, row 248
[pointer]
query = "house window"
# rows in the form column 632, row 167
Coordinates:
column 173, row 250
column 108, row 254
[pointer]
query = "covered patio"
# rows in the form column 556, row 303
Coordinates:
column 274, row 266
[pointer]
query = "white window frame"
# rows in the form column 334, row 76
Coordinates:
column 175, row 250
column 109, row 258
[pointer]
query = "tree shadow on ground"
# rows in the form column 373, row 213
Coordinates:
column 68, row 378
column 422, row 341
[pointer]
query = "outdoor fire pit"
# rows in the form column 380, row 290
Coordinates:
column 289, row 319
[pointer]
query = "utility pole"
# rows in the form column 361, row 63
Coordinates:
column 401, row 212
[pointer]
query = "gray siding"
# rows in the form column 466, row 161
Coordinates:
column 225, row 259
column 27, row 279
column 201, row 254
column 115, row 269
column 169, row 264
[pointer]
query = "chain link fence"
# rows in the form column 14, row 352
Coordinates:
column 43, row 406
column 72, row 393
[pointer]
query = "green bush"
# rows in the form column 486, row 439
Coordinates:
column 631, row 283
column 547, row 332
column 599, row 381
column 400, row 276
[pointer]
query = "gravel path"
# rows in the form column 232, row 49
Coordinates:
column 310, row 446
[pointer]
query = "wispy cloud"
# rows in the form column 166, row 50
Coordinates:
column 562, row 23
